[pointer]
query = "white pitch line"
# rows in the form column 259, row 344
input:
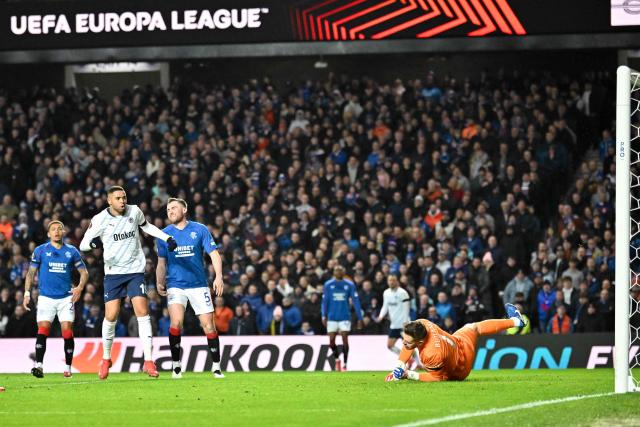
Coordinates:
column 494, row 411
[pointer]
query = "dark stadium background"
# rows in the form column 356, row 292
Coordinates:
column 567, row 59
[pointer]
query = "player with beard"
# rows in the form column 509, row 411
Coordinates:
column 181, row 276
column 117, row 230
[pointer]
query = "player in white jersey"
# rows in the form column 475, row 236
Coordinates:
column 181, row 276
column 396, row 303
column 116, row 229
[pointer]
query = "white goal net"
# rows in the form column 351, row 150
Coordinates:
column 627, row 289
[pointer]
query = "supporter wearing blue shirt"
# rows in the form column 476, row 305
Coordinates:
column 444, row 307
column 546, row 299
column 476, row 247
column 164, row 324
column 292, row 317
column 265, row 314
column 338, row 155
column 252, row 298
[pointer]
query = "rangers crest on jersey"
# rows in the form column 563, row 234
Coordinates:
column 130, row 220
column 67, row 254
column 193, row 235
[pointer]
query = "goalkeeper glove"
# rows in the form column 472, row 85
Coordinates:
column 390, row 377
column 96, row 243
column 171, row 244
column 398, row 373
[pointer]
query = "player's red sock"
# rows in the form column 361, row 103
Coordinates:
column 69, row 346
column 490, row 327
column 174, row 343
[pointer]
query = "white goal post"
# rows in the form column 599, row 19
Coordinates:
column 627, row 227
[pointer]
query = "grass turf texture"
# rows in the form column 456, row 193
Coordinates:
column 299, row 398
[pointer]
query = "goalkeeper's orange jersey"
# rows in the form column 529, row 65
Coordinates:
column 445, row 356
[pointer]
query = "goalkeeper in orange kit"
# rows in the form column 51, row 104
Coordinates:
column 444, row 356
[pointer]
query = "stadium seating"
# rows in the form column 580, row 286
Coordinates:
column 484, row 190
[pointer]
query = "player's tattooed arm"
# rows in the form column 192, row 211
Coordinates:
column 31, row 273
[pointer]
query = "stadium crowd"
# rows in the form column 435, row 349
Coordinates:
column 474, row 193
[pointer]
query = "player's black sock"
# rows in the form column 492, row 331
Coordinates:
column 41, row 345
column 214, row 346
column 69, row 346
column 335, row 350
column 345, row 351
column 174, row 343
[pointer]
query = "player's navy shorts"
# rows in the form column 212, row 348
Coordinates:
column 118, row 286
column 395, row 333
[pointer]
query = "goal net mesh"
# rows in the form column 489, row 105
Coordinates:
column 634, row 255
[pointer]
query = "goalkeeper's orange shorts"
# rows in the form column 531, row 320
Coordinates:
column 467, row 339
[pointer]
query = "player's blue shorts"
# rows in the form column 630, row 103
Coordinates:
column 395, row 333
column 118, row 286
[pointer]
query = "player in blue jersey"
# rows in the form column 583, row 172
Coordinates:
column 54, row 261
column 181, row 276
column 338, row 294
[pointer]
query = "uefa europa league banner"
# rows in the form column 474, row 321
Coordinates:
column 311, row 353
column 88, row 24
column 117, row 23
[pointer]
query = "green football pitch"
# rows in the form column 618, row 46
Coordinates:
column 572, row 397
